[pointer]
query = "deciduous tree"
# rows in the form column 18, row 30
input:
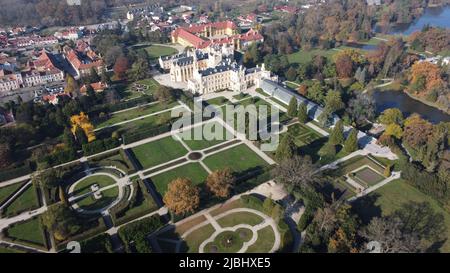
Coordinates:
column 182, row 197
column 220, row 182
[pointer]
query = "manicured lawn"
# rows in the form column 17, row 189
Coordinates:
column 240, row 218
column 212, row 130
column 265, row 241
column 7, row 191
column 28, row 200
column 129, row 90
column 217, row 101
column 193, row 171
column 391, row 197
column 84, row 186
column 29, row 231
column 152, row 85
column 240, row 159
column 303, row 57
column 368, row 176
column 145, row 123
column 5, row 250
column 194, row 239
column 135, row 113
column 158, row 152
column 241, row 96
column 357, row 162
column 108, row 196
column 229, row 241
column 156, row 51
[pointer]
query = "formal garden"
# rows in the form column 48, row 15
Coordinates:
column 245, row 224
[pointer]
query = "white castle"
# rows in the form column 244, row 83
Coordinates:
column 212, row 69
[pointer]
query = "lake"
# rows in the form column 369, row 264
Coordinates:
column 400, row 100
column 437, row 17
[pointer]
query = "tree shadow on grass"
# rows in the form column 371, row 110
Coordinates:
column 366, row 207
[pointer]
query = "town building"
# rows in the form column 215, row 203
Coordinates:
column 83, row 60
column 201, row 36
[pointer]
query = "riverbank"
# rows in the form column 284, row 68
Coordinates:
column 397, row 87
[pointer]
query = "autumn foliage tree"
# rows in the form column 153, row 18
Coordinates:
column 121, row 67
column 425, row 77
column 182, row 197
column 220, row 182
column 82, row 122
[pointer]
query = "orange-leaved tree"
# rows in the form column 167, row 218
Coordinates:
column 181, row 196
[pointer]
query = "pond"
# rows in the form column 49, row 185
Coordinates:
column 437, row 17
column 408, row 105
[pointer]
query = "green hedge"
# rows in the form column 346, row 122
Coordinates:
column 57, row 158
column 15, row 172
column 100, row 145
column 140, row 195
column 100, row 227
column 98, row 244
column 134, row 235
column 252, row 180
column 109, row 108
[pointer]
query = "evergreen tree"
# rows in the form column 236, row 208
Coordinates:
column 302, row 113
column 286, row 148
column 327, row 152
column 292, row 108
column 68, row 139
column 80, row 136
column 337, row 135
column 351, row 144
column 62, row 195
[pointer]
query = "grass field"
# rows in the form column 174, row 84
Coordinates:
column 240, row 218
column 240, row 159
column 84, row 186
column 156, row 51
column 158, row 152
column 194, row 239
column 29, row 231
column 6, row 250
column 357, row 162
column 368, row 177
column 108, row 196
column 128, row 90
column 229, row 241
column 192, row 171
column 28, row 200
column 217, row 101
column 265, row 241
column 135, row 113
column 144, row 123
column 219, row 133
column 7, row 191
column 303, row 57
column 391, row 197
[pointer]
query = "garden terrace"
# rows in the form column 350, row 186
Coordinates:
column 215, row 128
column 241, row 159
column 159, row 151
column 134, row 113
column 236, row 226
column 192, row 171
column 30, row 233
column 27, row 200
